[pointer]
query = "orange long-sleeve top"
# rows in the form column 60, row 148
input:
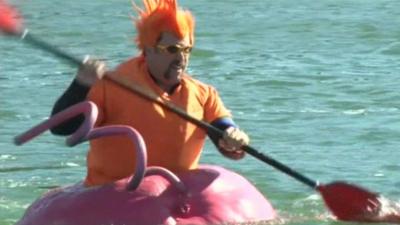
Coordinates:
column 171, row 141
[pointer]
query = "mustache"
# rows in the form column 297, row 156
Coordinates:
column 179, row 64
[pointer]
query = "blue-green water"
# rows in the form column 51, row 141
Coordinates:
column 314, row 83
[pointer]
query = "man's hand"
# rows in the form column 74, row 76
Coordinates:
column 91, row 71
column 233, row 139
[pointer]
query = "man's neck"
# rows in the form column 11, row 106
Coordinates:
column 166, row 88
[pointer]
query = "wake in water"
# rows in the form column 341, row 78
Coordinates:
column 387, row 211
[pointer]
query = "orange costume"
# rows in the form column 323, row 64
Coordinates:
column 171, row 141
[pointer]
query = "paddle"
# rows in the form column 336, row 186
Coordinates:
column 346, row 201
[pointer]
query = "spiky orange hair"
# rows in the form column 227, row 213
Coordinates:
column 162, row 16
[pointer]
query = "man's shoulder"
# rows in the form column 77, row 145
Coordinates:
column 127, row 66
column 191, row 82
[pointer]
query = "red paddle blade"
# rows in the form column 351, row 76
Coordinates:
column 349, row 202
column 10, row 20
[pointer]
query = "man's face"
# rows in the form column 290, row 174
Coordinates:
column 168, row 60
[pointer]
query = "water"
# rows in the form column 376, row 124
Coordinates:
column 314, row 83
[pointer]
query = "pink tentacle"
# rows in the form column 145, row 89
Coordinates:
column 170, row 176
column 183, row 207
column 87, row 132
column 87, row 108
column 140, row 147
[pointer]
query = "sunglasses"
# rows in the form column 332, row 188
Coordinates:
column 172, row 49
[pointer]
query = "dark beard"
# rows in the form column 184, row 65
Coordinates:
column 167, row 74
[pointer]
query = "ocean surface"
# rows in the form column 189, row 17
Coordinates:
column 315, row 84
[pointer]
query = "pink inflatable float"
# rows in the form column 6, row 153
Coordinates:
column 153, row 195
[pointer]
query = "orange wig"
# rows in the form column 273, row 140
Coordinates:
column 162, row 16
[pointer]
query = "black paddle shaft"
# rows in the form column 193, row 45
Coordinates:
column 209, row 128
column 169, row 106
column 248, row 149
column 28, row 37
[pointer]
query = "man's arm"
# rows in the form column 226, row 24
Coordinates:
column 90, row 72
column 231, row 141
column 75, row 93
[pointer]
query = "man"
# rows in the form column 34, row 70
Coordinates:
column 165, row 38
